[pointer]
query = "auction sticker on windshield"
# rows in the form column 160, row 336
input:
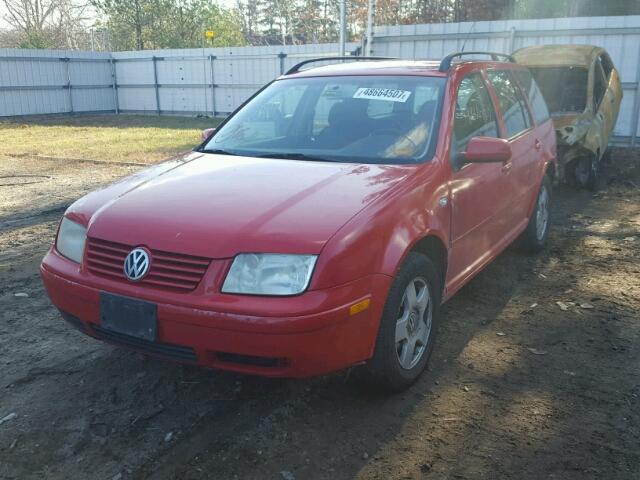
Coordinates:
column 388, row 94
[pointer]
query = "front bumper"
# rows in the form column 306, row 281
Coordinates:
column 318, row 335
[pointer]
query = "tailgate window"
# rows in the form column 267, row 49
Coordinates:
column 564, row 88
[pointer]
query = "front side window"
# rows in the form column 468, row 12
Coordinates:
column 536, row 100
column 474, row 114
column 514, row 111
column 356, row 119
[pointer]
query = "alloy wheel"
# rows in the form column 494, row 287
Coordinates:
column 542, row 213
column 413, row 326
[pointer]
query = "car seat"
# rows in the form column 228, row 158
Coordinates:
column 347, row 122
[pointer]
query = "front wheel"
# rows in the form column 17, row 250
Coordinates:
column 408, row 325
column 535, row 235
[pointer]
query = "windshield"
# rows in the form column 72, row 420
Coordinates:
column 563, row 88
column 359, row 119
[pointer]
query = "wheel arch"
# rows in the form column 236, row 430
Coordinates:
column 551, row 171
column 435, row 249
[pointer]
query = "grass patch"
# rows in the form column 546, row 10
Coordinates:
column 124, row 138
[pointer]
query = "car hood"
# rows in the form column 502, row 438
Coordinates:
column 217, row 205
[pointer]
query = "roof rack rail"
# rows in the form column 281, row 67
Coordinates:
column 296, row 68
column 445, row 64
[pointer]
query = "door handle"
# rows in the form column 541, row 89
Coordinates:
column 538, row 145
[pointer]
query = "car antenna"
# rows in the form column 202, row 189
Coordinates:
column 473, row 25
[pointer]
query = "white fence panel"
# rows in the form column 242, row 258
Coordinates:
column 204, row 81
column 215, row 81
column 54, row 81
column 620, row 36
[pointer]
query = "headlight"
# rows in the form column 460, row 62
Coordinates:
column 71, row 239
column 269, row 274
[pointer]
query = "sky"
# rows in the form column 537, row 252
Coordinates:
column 3, row 12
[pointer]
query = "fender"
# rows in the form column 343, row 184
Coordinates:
column 378, row 238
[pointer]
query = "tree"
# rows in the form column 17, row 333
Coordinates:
column 182, row 25
column 47, row 23
column 129, row 19
column 248, row 13
column 572, row 8
column 141, row 24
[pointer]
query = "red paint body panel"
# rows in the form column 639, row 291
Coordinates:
column 362, row 220
column 261, row 205
column 317, row 337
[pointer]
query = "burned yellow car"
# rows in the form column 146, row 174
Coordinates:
column 583, row 92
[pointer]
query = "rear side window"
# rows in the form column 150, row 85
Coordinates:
column 599, row 85
column 514, row 110
column 474, row 115
column 536, row 100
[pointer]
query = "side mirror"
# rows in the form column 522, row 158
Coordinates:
column 206, row 133
column 487, row 150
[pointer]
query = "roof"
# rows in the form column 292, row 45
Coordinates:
column 557, row 55
column 377, row 67
column 382, row 67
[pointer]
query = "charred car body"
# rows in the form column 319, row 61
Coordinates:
column 583, row 92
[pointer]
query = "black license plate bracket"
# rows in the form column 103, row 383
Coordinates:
column 129, row 316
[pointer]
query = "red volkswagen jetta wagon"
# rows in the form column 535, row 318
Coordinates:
column 321, row 225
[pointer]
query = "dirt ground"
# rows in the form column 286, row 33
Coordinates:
column 519, row 386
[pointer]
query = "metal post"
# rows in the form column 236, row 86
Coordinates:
column 114, row 83
column 512, row 39
column 371, row 14
column 67, row 61
column 635, row 121
column 155, row 83
column 343, row 25
column 282, row 56
column 213, row 86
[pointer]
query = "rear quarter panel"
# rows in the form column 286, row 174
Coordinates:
column 614, row 92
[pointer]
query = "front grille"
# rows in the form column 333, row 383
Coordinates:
column 169, row 271
column 167, row 350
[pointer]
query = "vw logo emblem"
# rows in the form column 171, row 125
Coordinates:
column 136, row 265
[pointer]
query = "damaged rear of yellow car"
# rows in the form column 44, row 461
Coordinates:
column 583, row 92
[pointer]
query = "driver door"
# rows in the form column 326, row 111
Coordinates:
column 479, row 192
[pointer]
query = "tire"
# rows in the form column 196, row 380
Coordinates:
column 586, row 172
column 395, row 365
column 535, row 236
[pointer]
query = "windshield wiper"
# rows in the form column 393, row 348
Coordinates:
column 296, row 156
column 217, row 151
